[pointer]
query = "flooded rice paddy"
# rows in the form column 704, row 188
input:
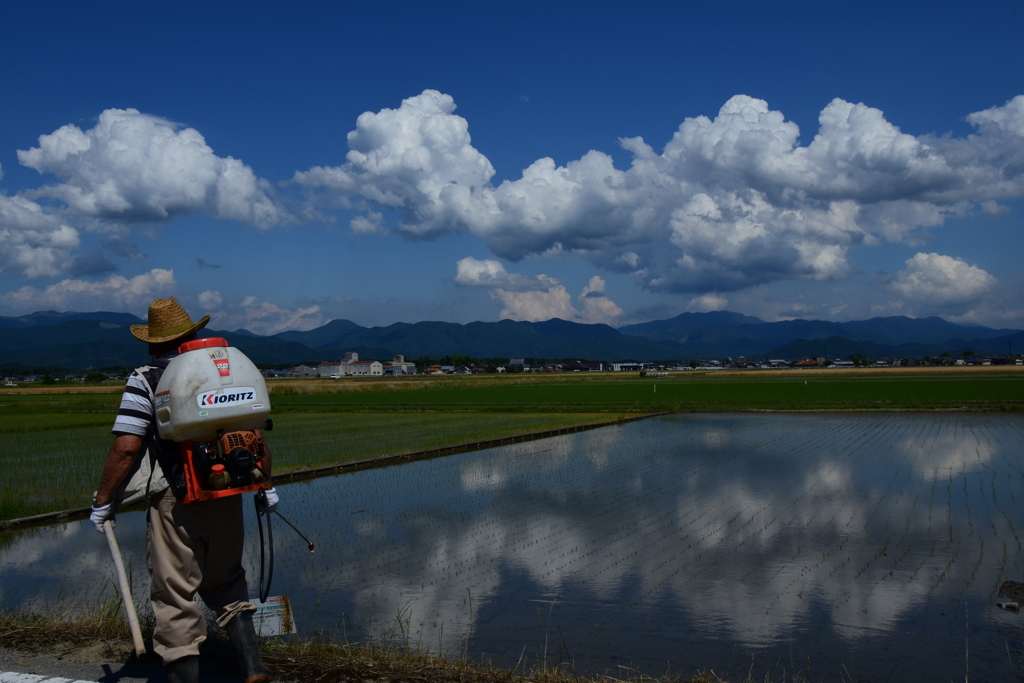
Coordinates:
column 858, row 546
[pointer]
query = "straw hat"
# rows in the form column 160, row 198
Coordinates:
column 167, row 321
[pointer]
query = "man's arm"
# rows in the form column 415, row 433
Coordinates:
column 123, row 452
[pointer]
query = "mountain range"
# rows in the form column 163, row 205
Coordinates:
column 79, row 341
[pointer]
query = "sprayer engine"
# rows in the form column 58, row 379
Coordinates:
column 225, row 467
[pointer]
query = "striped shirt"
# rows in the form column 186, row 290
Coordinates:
column 136, row 412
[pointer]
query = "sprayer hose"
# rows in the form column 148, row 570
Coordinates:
column 260, row 501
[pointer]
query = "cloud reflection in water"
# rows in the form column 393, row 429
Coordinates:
column 683, row 539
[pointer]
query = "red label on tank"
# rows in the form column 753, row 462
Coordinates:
column 223, row 366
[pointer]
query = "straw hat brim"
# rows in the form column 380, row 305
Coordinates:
column 141, row 332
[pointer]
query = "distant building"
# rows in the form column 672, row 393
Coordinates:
column 331, row 368
column 365, row 368
column 399, row 366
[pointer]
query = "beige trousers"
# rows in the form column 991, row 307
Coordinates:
column 194, row 548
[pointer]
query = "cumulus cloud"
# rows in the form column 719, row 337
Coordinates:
column 555, row 302
column 731, row 202
column 941, row 280
column 472, row 272
column 537, row 298
column 210, row 300
column 256, row 315
column 33, row 243
column 707, row 303
column 114, row 293
column 132, row 167
column 370, row 224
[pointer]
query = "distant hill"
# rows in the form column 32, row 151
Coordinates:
column 553, row 338
column 328, row 336
column 730, row 334
column 81, row 340
column 42, row 318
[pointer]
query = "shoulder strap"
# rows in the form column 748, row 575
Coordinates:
column 148, row 469
column 151, row 375
column 167, row 453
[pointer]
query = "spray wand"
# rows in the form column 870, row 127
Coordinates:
column 260, row 500
column 308, row 542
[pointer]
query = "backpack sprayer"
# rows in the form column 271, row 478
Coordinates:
column 213, row 403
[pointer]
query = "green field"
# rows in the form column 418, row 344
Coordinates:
column 52, row 462
column 685, row 392
column 55, row 444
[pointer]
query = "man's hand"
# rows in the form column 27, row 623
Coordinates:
column 100, row 514
column 272, row 500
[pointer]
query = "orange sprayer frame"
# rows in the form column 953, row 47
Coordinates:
column 194, row 491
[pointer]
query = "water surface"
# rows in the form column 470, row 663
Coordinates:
column 867, row 544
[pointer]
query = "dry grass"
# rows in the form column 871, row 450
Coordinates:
column 63, row 629
column 103, row 632
column 61, row 390
column 330, row 662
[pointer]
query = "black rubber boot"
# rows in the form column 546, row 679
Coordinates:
column 243, row 638
column 184, row 670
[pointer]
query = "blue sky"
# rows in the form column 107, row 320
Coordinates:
column 282, row 165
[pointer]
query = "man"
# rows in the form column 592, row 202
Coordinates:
column 190, row 548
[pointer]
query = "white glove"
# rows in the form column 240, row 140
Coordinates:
column 272, row 500
column 100, row 515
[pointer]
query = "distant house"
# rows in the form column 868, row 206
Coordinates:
column 582, row 366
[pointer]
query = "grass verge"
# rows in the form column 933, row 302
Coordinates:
column 103, row 632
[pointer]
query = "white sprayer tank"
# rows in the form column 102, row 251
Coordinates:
column 211, row 386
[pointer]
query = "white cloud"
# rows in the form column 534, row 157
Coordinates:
column 33, row 243
column 210, row 300
column 707, row 303
column 258, row 316
column 555, row 302
column 595, row 286
column 537, row 298
column 472, row 272
column 370, row 224
column 941, row 280
column 133, row 167
column 417, row 158
column 731, row 202
column 116, row 293
column 1008, row 118
column 629, row 258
